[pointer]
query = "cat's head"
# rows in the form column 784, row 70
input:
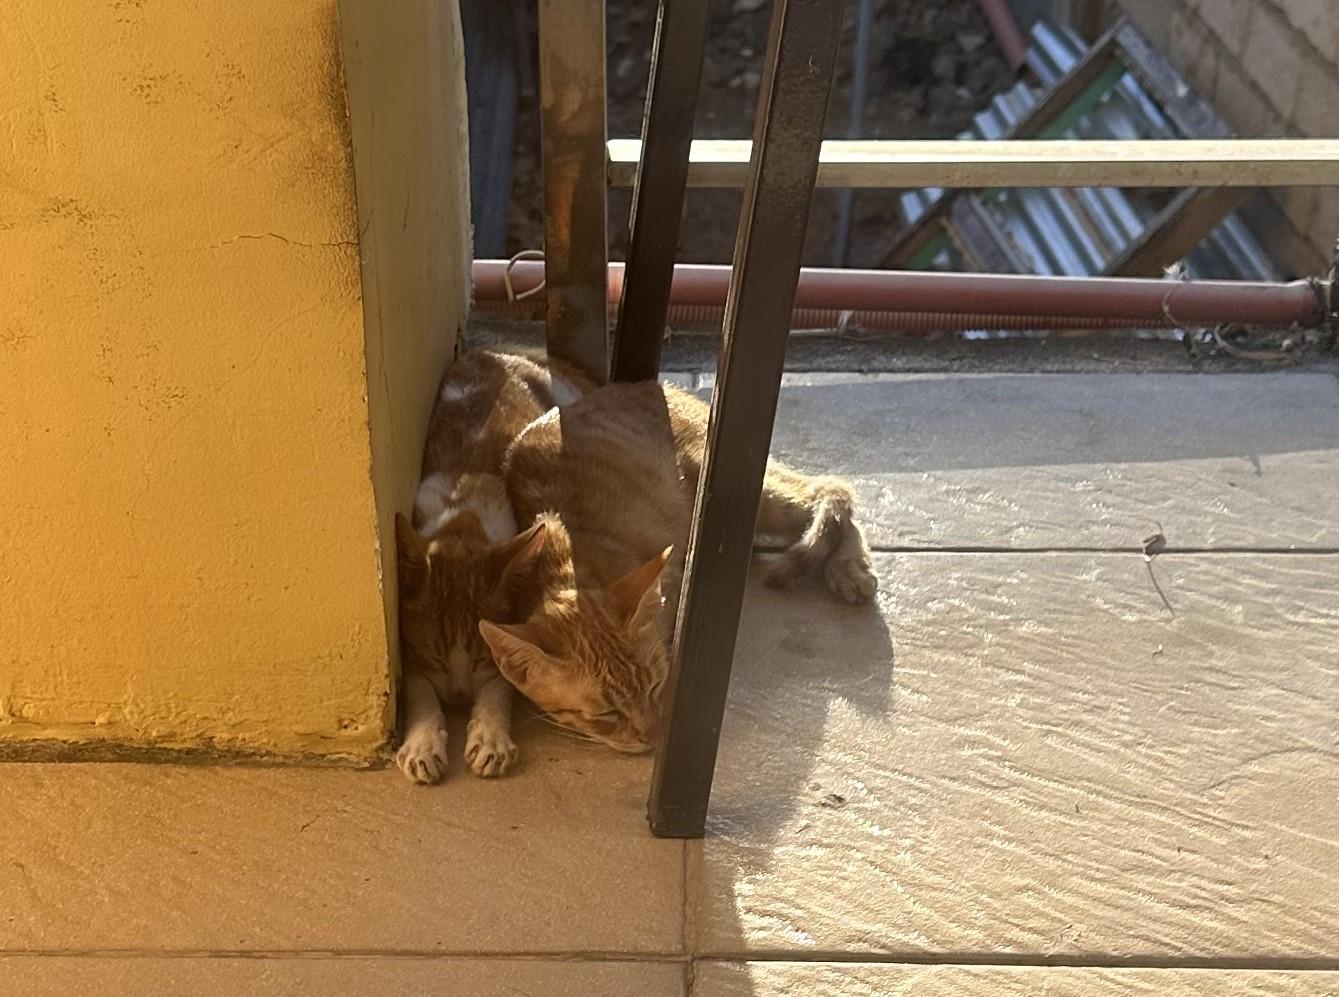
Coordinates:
column 593, row 659
column 451, row 579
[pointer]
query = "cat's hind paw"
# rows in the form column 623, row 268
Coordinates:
column 422, row 757
column 786, row 569
column 850, row 579
column 489, row 749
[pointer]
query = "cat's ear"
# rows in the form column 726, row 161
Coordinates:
column 537, row 559
column 639, row 589
column 519, row 554
column 516, row 652
column 411, row 556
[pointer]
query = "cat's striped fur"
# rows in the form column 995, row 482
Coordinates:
column 615, row 475
column 465, row 563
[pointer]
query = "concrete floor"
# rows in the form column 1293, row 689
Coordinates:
column 1039, row 763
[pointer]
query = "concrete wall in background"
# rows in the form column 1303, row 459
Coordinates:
column 196, row 474
column 1270, row 68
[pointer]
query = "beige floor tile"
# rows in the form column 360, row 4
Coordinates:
column 70, row 976
column 789, row 979
column 1032, row 754
column 1088, row 460
column 554, row 858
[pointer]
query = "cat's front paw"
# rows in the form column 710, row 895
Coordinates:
column 422, row 757
column 489, row 748
column 850, row 578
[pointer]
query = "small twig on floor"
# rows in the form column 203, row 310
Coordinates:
column 1153, row 546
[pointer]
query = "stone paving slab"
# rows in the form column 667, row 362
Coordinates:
column 76, row 976
column 1033, row 755
column 1075, row 460
column 714, row 979
column 555, row 858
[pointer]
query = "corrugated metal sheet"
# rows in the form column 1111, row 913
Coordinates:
column 1077, row 232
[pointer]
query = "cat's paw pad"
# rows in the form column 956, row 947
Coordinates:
column 851, row 579
column 489, row 749
column 422, row 757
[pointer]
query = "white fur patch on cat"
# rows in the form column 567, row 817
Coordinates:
column 434, row 492
column 441, row 500
column 498, row 521
column 452, row 392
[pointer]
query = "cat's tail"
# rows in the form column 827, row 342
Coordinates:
column 817, row 514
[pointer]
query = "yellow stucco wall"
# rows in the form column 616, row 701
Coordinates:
column 188, row 527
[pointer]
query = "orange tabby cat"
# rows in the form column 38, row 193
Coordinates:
column 465, row 562
column 617, row 471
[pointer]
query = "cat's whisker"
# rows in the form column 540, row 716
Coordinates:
column 567, row 732
column 559, row 727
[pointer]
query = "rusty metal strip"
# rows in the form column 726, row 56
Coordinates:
column 573, row 136
column 1177, row 229
column 801, row 53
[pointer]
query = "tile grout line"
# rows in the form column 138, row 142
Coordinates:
column 989, row 960
column 685, row 933
column 336, row 955
column 1319, row 964
column 1124, row 551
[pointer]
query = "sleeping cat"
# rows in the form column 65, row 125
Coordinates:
column 465, row 562
column 617, row 472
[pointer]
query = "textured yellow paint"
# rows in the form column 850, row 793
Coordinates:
column 188, row 535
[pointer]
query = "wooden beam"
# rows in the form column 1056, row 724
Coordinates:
column 1224, row 162
column 576, row 241
column 1188, row 111
column 1176, row 230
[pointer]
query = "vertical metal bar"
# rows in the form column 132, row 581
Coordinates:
column 576, row 242
column 792, row 101
column 657, row 193
column 492, row 89
column 855, row 122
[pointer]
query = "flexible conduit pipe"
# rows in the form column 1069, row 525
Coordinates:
column 915, row 301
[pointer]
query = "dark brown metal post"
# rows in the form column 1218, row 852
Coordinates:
column 793, row 99
column 572, row 134
column 657, row 194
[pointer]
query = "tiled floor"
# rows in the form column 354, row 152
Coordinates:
column 1039, row 763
